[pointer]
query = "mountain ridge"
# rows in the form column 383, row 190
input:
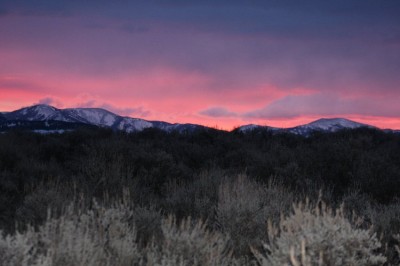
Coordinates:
column 92, row 116
column 105, row 119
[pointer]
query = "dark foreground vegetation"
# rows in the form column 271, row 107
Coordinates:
column 97, row 197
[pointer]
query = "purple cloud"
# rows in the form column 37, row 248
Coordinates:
column 326, row 105
column 218, row 112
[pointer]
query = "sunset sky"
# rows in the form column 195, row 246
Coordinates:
column 217, row 63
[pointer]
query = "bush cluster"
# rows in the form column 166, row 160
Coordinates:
column 230, row 184
column 108, row 235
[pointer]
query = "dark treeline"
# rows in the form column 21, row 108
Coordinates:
column 38, row 172
column 96, row 162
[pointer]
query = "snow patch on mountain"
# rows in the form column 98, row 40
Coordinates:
column 333, row 124
column 37, row 113
column 94, row 116
column 326, row 125
column 43, row 112
column 132, row 124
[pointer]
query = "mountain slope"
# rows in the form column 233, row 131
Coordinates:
column 252, row 127
column 50, row 126
column 92, row 116
column 37, row 113
column 321, row 125
column 326, row 125
column 2, row 118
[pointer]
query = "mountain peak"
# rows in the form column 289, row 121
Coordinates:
column 327, row 125
column 36, row 112
column 334, row 123
column 40, row 107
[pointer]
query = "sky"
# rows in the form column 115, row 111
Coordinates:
column 220, row 63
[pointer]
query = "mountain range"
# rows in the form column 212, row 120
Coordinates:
column 48, row 119
column 75, row 117
column 322, row 125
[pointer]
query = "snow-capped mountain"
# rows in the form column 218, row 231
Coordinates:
column 37, row 113
column 92, row 116
column 44, row 117
column 321, row 125
column 326, row 125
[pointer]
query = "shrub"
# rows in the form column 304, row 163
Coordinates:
column 386, row 222
column 33, row 209
column 194, row 198
column 148, row 225
column 99, row 236
column 319, row 236
column 107, row 236
column 397, row 247
column 189, row 243
column 17, row 250
column 243, row 208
